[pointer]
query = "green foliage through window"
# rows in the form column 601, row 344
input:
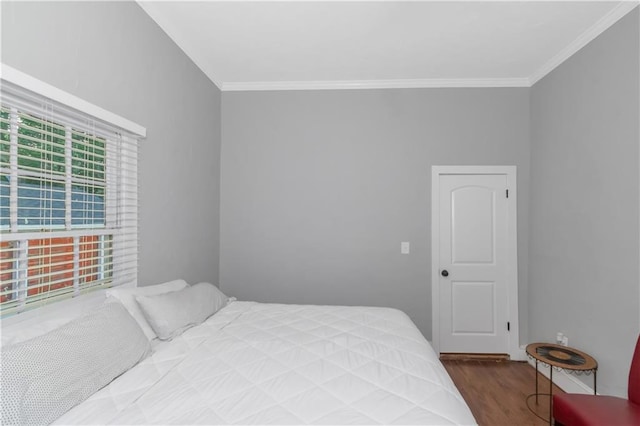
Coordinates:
column 5, row 138
column 88, row 156
column 43, row 172
column 40, row 145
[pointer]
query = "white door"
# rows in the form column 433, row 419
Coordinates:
column 473, row 263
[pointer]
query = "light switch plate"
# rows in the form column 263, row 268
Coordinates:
column 405, row 247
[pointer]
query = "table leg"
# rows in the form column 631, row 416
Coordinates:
column 536, row 382
column 595, row 373
column 550, row 394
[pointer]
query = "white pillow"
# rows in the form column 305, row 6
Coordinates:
column 127, row 296
column 42, row 378
column 170, row 314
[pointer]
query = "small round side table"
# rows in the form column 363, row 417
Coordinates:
column 560, row 358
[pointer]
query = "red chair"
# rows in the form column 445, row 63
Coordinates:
column 598, row 410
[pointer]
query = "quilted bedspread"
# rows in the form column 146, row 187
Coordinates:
column 254, row 363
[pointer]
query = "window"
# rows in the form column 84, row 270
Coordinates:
column 68, row 201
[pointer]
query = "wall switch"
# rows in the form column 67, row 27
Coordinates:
column 405, row 247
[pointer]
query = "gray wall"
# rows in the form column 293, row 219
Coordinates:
column 318, row 189
column 583, row 270
column 113, row 55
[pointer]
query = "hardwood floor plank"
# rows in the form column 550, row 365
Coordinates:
column 496, row 391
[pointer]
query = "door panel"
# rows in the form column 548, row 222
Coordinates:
column 473, row 243
column 472, row 234
column 465, row 296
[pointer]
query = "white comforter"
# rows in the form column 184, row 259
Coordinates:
column 254, row 363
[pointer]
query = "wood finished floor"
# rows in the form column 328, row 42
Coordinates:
column 496, row 391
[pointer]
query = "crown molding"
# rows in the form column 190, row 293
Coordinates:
column 613, row 16
column 604, row 23
column 619, row 11
column 376, row 84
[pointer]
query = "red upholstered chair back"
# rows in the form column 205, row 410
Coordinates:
column 634, row 376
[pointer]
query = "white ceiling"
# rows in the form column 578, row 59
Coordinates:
column 313, row 45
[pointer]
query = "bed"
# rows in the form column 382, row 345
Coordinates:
column 257, row 363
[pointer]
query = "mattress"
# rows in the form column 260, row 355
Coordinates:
column 255, row 363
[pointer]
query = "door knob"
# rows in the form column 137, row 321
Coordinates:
column 444, row 273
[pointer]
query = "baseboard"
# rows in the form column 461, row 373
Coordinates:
column 565, row 381
column 519, row 355
column 473, row 357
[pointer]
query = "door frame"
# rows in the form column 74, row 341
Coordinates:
column 512, row 249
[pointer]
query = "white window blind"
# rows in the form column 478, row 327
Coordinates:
column 68, row 201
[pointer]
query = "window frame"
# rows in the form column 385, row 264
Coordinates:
column 116, row 239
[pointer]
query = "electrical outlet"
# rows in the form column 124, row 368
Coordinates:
column 565, row 341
